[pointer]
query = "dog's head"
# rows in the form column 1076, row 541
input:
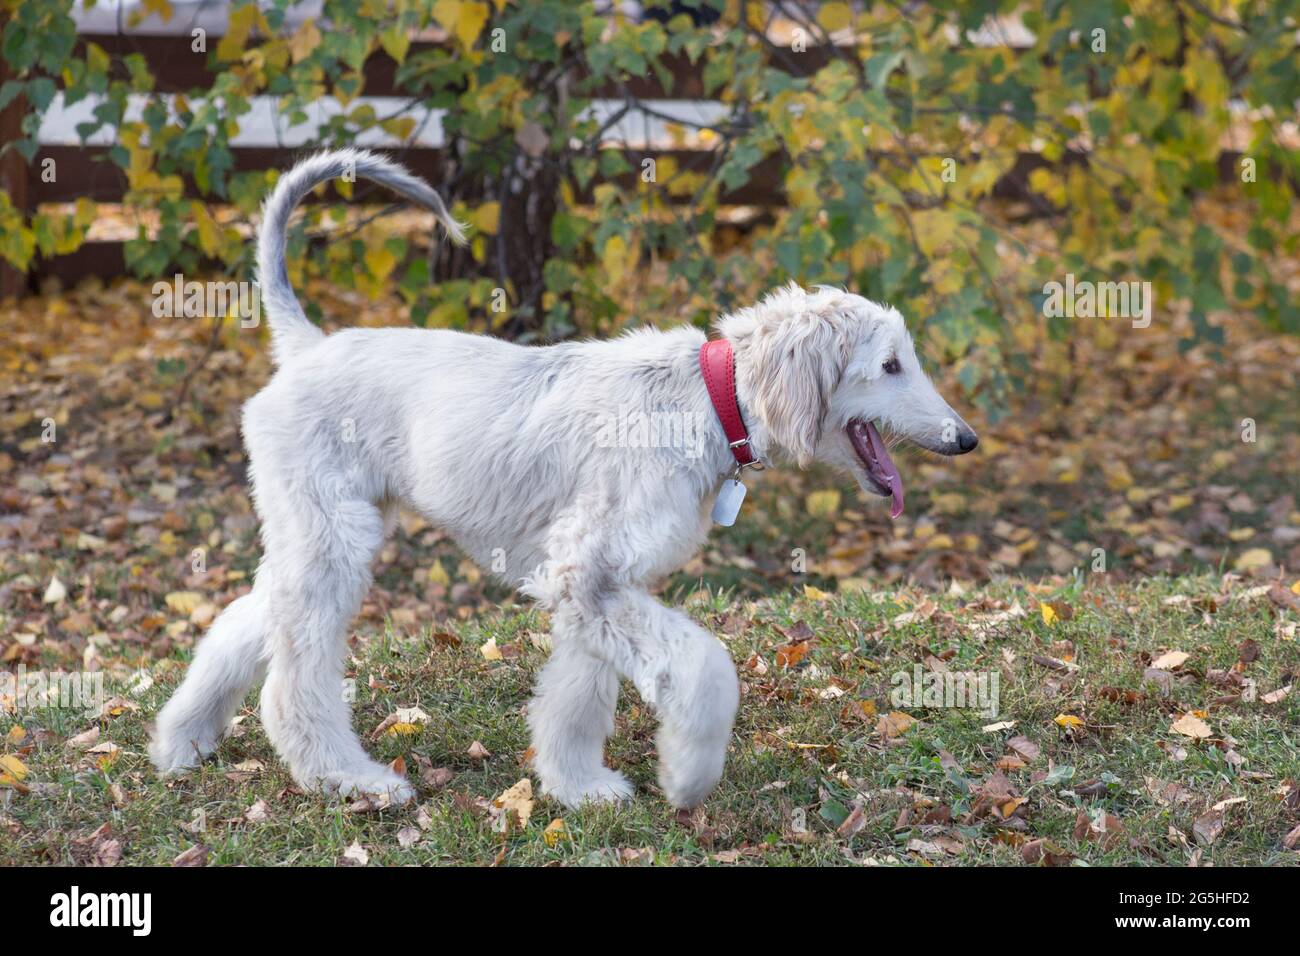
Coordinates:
column 819, row 369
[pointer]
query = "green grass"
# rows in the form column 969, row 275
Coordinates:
column 803, row 753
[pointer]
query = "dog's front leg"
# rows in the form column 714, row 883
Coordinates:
column 686, row 674
column 570, row 716
column 680, row 669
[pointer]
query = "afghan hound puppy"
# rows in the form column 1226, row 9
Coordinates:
column 583, row 473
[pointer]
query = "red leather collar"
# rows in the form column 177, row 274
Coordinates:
column 719, row 370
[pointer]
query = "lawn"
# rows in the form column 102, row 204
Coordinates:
column 125, row 527
column 1091, row 758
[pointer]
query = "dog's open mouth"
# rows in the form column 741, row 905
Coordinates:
column 880, row 469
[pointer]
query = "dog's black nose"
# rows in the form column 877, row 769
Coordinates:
column 967, row 441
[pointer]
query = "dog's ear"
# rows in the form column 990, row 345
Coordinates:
column 794, row 366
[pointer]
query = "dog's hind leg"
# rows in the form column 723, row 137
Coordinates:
column 229, row 660
column 319, row 546
column 570, row 716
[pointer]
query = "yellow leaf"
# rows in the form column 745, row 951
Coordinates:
column 1295, row 588
column 815, row 594
column 516, row 805
column 1189, row 725
column 400, row 729
column 464, row 19
column 834, row 16
column 241, row 23
column 934, row 229
column 490, row 651
column 395, row 41
column 161, row 7
column 438, row 574
column 209, row 231
column 823, row 504
column 1171, row 660
column 1068, row 721
column 949, row 503
column 1049, row 613
column 487, row 218
column 12, row 770
column 1254, row 559
column 555, row 832
column 184, row 602
column 614, row 258
column 16, row 734
column 380, row 262
column 306, row 39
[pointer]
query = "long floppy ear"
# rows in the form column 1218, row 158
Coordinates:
column 795, row 365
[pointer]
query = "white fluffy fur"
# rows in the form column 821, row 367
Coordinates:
column 496, row 444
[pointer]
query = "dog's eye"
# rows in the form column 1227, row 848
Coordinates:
column 892, row 367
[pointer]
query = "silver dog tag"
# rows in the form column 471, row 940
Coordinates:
column 727, row 506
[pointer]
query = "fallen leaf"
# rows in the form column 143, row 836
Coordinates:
column 1024, row 747
column 184, row 602
column 1189, row 725
column 196, row 855
column 555, row 832
column 1104, row 828
column 437, row 777
column 823, row 504
column 55, row 592
column 1170, row 660
column 86, row 739
column 12, row 772
column 1277, row 696
column 515, row 806
column 355, row 855
column 854, row 822
column 404, row 720
column 894, row 724
column 1292, row 839
column 1208, row 827
column 788, row 655
column 1045, row 853
column 1253, row 559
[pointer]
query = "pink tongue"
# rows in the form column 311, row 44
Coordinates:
column 885, row 469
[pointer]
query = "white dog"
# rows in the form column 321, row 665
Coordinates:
column 497, row 444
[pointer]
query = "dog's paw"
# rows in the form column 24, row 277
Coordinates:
column 609, row 786
column 375, row 782
column 176, row 751
column 688, row 776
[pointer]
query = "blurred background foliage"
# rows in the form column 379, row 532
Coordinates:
column 888, row 155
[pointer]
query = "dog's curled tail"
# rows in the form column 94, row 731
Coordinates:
column 291, row 330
